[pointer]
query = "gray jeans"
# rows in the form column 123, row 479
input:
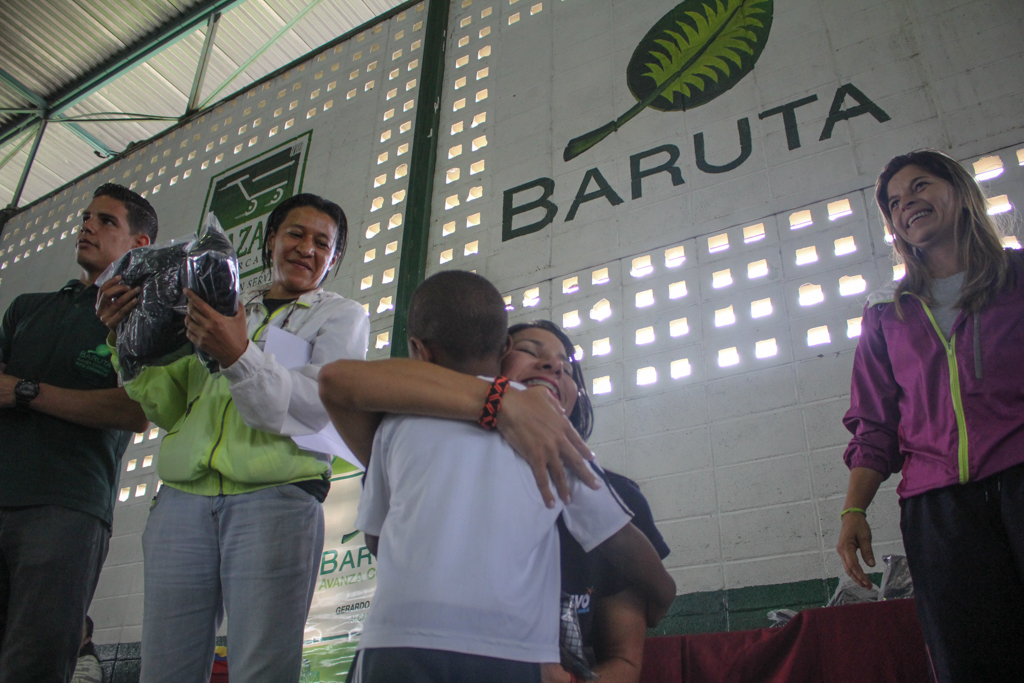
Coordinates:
column 50, row 561
column 254, row 556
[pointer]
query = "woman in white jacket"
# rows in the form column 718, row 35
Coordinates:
column 239, row 522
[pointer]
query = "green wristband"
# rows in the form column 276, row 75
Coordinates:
column 860, row 510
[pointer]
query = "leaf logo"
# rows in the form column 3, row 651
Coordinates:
column 696, row 52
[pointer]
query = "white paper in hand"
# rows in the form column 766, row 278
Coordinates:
column 292, row 351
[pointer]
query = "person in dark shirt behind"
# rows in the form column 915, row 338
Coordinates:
column 64, row 425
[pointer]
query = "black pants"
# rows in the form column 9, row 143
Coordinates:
column 414, row 665
column 50, row 561
column 965, row 546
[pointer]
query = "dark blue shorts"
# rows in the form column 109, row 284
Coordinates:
column 415, row 665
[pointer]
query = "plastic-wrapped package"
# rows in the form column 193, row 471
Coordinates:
column 848, row 593
column 153, row 333
column 211, row 271
column 570, row 642
column 780, row 617
column 896, row 580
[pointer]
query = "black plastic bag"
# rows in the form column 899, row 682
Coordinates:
column 896, row 580
column 153, row 333
column 211, row 271
column 849, row 592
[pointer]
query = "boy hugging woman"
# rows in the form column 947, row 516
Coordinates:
column 468, row 551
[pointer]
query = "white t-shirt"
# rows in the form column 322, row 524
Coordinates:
column 469, row 555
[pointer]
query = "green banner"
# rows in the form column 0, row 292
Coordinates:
column 243, row 196
column 327, row 662
column 344, row 589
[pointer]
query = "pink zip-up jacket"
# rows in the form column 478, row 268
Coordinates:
column 943, row 411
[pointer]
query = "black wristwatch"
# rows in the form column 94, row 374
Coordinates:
column 24, row 392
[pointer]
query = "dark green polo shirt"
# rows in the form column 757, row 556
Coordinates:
column 55, row 338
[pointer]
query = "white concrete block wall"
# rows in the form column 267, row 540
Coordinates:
column 742, row 464
column 349, row 96
column 117, row 604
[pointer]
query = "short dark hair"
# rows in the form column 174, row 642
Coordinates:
column 582, row 417
column 460, row 312
column 324, row 206
column 141, row 214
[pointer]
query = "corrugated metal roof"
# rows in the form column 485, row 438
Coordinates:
column 46, row 44
column 52, row 46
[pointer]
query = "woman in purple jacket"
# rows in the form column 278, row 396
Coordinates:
column 938, row 392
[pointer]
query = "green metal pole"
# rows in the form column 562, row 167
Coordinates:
column 28, row 94
column 204, row 63
column 28, row 165
column 5, row 216
column 11, row 82
column 416, row 236
column 256, row 55
column 17, row 148
column 89, row 139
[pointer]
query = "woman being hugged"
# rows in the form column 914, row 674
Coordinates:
column 239, row 521
column 611, row 613
column 937, row 393
column 546, row 424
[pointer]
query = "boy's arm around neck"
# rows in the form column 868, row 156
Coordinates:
column 633, row 556
column 540, row 433
column 356, row 395
column 402, row 385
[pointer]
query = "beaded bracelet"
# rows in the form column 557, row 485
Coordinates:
column 492, row 404
column 860, row 510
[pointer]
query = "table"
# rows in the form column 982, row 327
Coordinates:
column 877, row 642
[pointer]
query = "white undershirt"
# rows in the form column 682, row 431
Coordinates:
column 945, row 293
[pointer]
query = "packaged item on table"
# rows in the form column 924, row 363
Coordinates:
column 849, row 593
column 896, row 580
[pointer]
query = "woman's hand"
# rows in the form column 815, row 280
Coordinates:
column 536, row 427
column 225, row 338
column 854, row 535
column 115, row 301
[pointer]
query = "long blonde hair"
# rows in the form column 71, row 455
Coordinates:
column 977, row 237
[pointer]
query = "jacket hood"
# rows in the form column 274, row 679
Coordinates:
column 884, row 295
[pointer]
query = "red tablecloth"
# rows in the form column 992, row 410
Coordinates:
column 873, row 642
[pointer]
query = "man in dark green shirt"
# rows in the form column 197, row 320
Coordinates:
column 64, row 425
